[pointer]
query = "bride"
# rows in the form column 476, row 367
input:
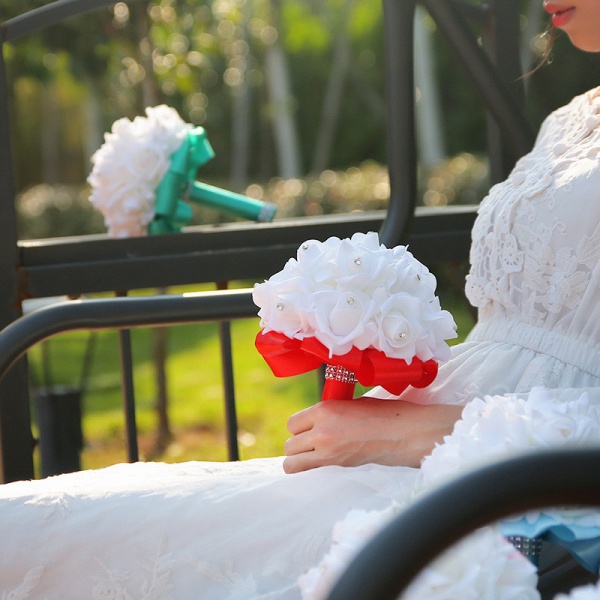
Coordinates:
column 249, row 530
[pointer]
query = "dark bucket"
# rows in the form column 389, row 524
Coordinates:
column 59, row 420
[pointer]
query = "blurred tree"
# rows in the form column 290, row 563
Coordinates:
column 340, row 64
column 211, row 61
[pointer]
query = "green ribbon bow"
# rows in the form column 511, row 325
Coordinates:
column 171, row 212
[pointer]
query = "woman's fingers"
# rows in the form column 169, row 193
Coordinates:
column 300, row 462
column 301, row 421
column 297, row 444
column 306, row 461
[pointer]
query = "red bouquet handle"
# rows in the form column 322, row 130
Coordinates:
column 370, row 367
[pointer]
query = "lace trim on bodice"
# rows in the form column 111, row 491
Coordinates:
column 567, row 350
column 537, row 238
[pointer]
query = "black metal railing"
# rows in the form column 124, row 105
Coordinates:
column 123, row 314
column 232, row 252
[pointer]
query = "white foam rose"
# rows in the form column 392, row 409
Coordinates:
column 343, row 319
column 129, row 166
column 399, row 326
column 364, row 295
column 499, row 427
column 287, row 306
column 483, row 566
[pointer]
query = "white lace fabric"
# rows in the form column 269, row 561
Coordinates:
column 246, row 530
column 536, row 242
column 535, row 270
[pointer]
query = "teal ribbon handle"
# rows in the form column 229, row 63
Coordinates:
column 235, row 204
column 171, row 213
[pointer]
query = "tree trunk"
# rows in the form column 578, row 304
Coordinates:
column 94, row 136
column 163, row 429
column 429, row 129
column 281, row 102
column 50, row 138
column 150, row 94
column 535, row 19
column 240, row 119
column 333, row 94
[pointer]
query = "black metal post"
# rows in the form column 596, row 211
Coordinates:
column 229, row 390
column 231, row 425
column 128, row 392
column 401, row 145
column 16, row 440
column 128, row 395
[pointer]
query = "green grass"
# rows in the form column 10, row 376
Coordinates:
column 195, row 391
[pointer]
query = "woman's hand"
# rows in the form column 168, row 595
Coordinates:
column 366, row 430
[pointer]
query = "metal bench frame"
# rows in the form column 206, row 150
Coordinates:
column 95, row 263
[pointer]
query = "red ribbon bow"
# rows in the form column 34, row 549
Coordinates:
column 290, row 356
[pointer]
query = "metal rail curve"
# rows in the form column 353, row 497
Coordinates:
column 396, row 555
column 120, row 313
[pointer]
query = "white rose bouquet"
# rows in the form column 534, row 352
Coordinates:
column 147, row 167
column 484, row 565
column 368, row 312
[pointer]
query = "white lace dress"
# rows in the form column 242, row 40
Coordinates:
column 247, row 530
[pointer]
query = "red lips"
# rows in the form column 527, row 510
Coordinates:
column 561, row 14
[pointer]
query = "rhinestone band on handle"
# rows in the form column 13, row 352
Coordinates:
column 339, row 383
column 531, row 548
column 340, row 374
